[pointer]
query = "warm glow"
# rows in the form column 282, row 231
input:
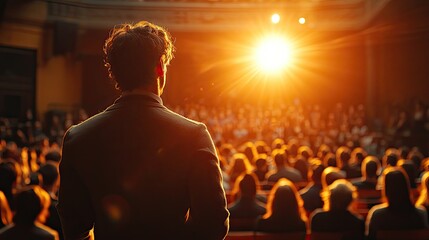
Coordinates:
column 273, row 54
column 301, row 20
column 275, row 18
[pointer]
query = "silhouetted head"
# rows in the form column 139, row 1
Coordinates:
column 302, row 166
column 403, row 152
column 261, row 162
column 137, row 54
column 396, row 188
column 239, row 165
column 339, row 195
column 250, row 152
column 411, row 171
column 391, row 157
column 370, row 167
column 358, row 155
column 278, row 143
column 330, row 175
column 279, row 158
column 323, row 150
column 246, row 185
column 292, row 147
column 284, row 202
column 316, row 173
column 49, row 174
column 305, row 152
column 53, row 155
column 8, row 179
column 261, row 147
column 29, row 203
column 343, row 155
column 331, row 161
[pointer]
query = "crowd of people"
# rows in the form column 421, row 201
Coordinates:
column 286, row 168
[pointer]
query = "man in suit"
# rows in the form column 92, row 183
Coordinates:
column 138, row 170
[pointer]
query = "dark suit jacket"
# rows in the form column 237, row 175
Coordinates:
column 23, row 232
column 135, row 170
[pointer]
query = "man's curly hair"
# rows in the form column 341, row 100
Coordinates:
column 132, row 52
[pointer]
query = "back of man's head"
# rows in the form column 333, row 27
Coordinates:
column 133, row 51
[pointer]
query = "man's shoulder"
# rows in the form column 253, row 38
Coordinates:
column 182, row 120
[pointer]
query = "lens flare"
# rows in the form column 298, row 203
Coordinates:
column 275, row 18
column 273, row 54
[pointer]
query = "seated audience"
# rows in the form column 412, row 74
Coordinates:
column 411, row 171
column 311, row 193
column 330, row 175
column 398, row 213
column 301, row 164
column 261, row 169
column 5, row 212
column 423, row 200
column 8, row 179
column 330, row 160
column 31, row 208
column 239, row 165
column 370, row 168
column 285, row 211
column 245, row 206
column 336, row 216
column 50, row 179
column 343, row 155
column 283, row 170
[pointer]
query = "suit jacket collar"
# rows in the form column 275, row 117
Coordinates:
column 132, row 99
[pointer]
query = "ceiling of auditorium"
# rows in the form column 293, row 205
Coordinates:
column 201, row 15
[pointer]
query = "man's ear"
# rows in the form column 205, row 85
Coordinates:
column 160, row 77
column 159, row 70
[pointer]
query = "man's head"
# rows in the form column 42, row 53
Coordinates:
column 137, row 55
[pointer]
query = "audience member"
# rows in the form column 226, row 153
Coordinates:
column 311, row 193
column 31, row 210
column 336, row 216
column 239, row 165
column 261, row 169
column 370, row 169
column 50, row 180
column 285, row 211
column 423, row 200
column 5, row 212
column 245, row 205
column 330, row 175
column 283, row 170
column 398, row 213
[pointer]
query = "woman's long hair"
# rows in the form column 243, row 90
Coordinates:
column 285, row 203
column 396, row 189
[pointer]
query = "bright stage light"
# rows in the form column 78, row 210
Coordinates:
column 273, row 54
column 275, row 18
column 301, row 20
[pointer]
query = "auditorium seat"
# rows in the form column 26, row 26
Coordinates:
column 420, row 234
column 249, row 235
